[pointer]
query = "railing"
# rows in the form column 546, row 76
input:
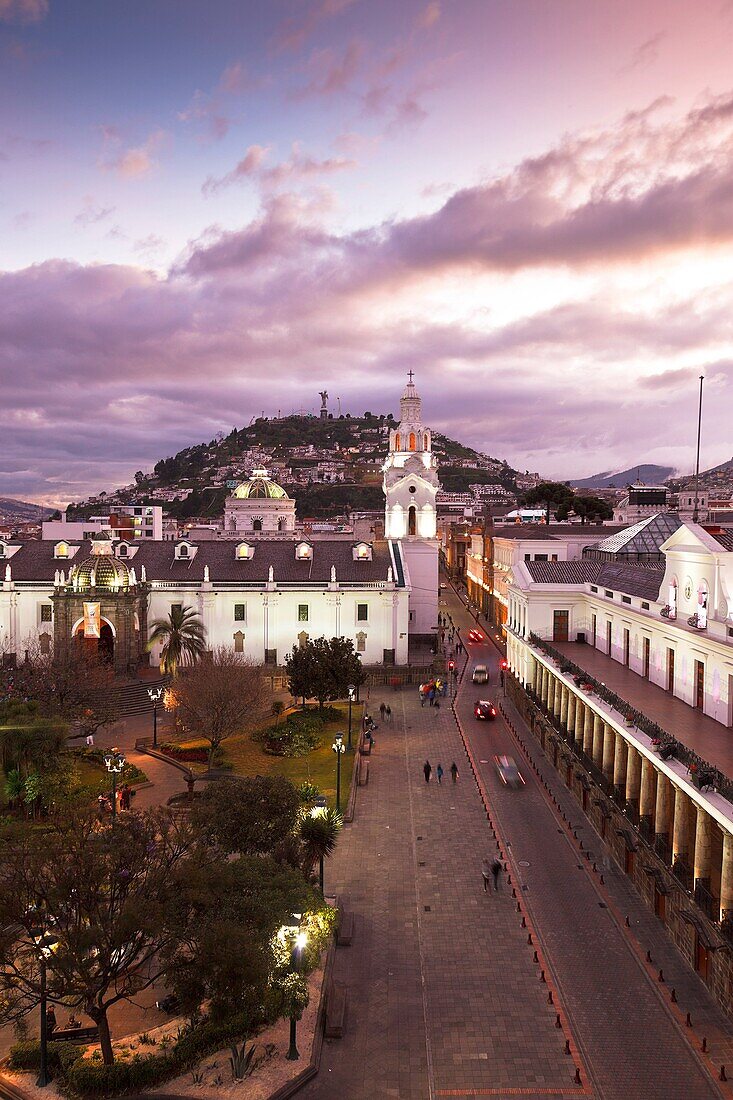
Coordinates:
column 682, row 873
column 663, row 847
column 664, row 740
column 706, row 901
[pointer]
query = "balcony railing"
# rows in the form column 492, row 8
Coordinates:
column 706, row 901
column 667, row 745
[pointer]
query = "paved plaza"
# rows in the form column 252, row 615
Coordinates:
column 444, row 993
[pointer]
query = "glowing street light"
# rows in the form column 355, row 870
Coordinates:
column 155, row 694
column 339, row 748
column 300, row 939
column 352, row 695
column 45, row 943
column 319, row 810
column 114, row 762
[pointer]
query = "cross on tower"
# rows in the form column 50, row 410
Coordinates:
column 410, row 375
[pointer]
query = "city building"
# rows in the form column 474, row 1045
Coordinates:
column 130, row 521
column 640, row 501
column 623, row 667
column 259, row 506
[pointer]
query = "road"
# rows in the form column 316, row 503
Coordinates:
column 629, row 1042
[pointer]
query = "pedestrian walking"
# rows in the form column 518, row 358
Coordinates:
column 444, row 689
column 431, row 696
column 50, row 1019
column 486, row 873
column 388, row 713
column 423, row 695
column 382, row 710
column 427, row 770
column 454, row 771
column 496, row 871
column 439, row 773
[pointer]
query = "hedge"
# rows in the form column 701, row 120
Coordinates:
column 80, row 1076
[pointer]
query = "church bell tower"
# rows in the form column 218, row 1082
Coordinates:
column 410, row 487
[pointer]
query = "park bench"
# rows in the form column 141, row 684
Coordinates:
column 363, row 777
column 336, row 999
column 75, row 1034
column 345, row 931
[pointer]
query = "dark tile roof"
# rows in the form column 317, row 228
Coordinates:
column 639, row 580
column 34, row 561
column 725, row 538
column 564, row 572
column 554, row 532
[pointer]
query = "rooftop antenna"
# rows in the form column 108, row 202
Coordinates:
column 697, row 459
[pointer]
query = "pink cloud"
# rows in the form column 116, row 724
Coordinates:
column 133, row 162
column 91, row 213
column 330, row 73
column 429, row 16
column 300, row 166
column 23, row 11
column 292, row 34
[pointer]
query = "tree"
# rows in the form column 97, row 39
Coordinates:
column 319, row 835
column 183, row 638
column 551, row 494
column 249, row 816
column 586, row 506
column 112, row 902
column 225, row 693
column 323, row 669
column 70, row 685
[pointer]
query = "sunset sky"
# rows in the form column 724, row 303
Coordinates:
column 211, row 210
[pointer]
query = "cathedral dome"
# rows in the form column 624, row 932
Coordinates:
column 100, row 571
column 260, row 487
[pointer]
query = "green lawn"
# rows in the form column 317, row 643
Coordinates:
column 319, row 766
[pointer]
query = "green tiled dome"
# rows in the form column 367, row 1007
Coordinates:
column 260, row 487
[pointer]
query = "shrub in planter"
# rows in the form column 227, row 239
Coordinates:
column 27, row 1056
column 297, row 736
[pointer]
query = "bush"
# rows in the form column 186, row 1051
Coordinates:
column 298, row 735
column 27, row 1056
column 198, row 755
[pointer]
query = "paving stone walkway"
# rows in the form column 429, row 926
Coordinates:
column 444, row 999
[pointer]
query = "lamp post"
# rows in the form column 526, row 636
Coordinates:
column 155, row 694
column 299, row 942
column 339, row 748
column 44, row 942
column 319, row 809
column 114, row 762
column 352, row 695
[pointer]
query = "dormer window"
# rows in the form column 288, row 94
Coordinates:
column 362, row 551
column 61, row 550
column 304, row 551
column 2, row 549
column 185, row 551
column 244, row 551
column 123, row 550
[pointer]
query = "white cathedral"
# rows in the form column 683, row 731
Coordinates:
column 260, row 591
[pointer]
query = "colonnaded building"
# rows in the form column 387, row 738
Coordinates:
column 259, row 592
column 622, row 665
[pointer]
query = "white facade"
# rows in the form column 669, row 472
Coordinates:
column 259, row 506
column 687, row 625
column 410, row 488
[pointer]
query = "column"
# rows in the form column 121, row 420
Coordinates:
column 597, row 740
column 726, row 878
column 703, row 845
column 579, row 719
column 588, row 731
column 544, row 684
column 557, row 697
column 663, row 805
column 619, row 760
column 633, row 774
column 564, row 693
column 680, row 827
column 571, row 713
column 608, row 751
column 646, row 797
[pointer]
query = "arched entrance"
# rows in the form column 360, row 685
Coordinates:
column 412, row 520
column 103, row 646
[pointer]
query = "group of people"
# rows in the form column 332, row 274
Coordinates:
column 431, row 691
column 439, row 773
column 124, row 799
column 385, row 712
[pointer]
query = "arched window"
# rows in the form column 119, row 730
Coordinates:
column 397, row 441
column 122, row 552
column 182, row 551
column 281, row 524
column 256, row 524
column 413, row 442
column 425, row 442
column 412, row 520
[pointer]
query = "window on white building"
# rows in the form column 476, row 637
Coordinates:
column 302, row 612
column 362, row 613
column 239, row 642
column 240, row 613
column 46, row 613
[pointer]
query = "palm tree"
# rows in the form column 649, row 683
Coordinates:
column 319, row 831
column 183, row 637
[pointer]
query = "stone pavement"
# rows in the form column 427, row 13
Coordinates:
column 444, row 998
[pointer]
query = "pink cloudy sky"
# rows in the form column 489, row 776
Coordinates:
column 208, row 211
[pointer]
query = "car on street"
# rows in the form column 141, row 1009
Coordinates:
column 443, row 586
column 480, row 675
column 509, row 773
column 484, row 710
column 475, row 636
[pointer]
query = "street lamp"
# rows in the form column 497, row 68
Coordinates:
column 352, row 695
column 45, row 943
column 155, row 694
column 319, row 810
column 114, row 762
column 339, row 748
column 299, row 941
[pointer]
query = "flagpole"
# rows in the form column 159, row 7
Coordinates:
column 697, row 460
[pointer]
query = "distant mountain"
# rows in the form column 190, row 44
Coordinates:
column 717, row 479
column 647, row 473
column 20, row 511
